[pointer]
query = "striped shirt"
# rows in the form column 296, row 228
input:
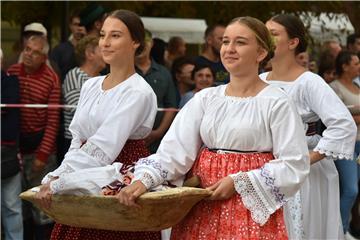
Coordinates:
column 73, row 82
column 41, row 87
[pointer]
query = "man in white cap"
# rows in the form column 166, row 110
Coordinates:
column 35, row 28
column 32, row 29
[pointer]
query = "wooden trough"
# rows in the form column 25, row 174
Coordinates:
column 159, row 210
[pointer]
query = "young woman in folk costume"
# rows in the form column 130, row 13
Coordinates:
column 115, row 113
column 314, row 213
column 255, row 155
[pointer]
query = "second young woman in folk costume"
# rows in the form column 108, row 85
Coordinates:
column 114, row 113
column 255, row 155
column 314, row 213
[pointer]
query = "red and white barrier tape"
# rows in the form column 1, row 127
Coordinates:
column 36, row 106
column 65, row 106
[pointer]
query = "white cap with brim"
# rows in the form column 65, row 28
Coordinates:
column 35, row 27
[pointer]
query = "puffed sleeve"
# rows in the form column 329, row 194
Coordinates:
column 178, row 149
column 76, row 140
column 338, row 139
column 266, row 189
column 133, row 112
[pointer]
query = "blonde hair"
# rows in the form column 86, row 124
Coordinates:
column 262, row 34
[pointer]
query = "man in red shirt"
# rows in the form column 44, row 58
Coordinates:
column 39, row 84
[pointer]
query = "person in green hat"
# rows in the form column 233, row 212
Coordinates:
column 92, row 18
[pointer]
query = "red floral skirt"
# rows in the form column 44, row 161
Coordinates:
column 226, row 219
column 131, row 152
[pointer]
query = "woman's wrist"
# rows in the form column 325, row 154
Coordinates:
column 315, row 157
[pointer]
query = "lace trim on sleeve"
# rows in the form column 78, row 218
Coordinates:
column 96, row 152
column 251, row 199
column 334, row 155
column 63, row 169
column 147, row 180
column 57, row 185
column 46, row 179
column 152, row 175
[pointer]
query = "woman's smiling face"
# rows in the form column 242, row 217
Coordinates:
column 240, row 48
column 115, row 41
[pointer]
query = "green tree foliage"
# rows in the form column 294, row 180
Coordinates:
column 52, row 12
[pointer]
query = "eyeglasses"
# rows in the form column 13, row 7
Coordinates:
column 33, row 53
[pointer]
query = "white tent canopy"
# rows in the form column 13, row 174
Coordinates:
column 324, row 27
column 191, row 30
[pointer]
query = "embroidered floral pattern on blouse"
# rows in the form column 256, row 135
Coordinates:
column 96, row 153
column 250, row 198
column 270, row 182
column 154, row 164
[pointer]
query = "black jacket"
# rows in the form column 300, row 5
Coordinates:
column 10, row 126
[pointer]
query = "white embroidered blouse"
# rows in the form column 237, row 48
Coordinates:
column 315, row 100
column 267, row 122
column 104, row 120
